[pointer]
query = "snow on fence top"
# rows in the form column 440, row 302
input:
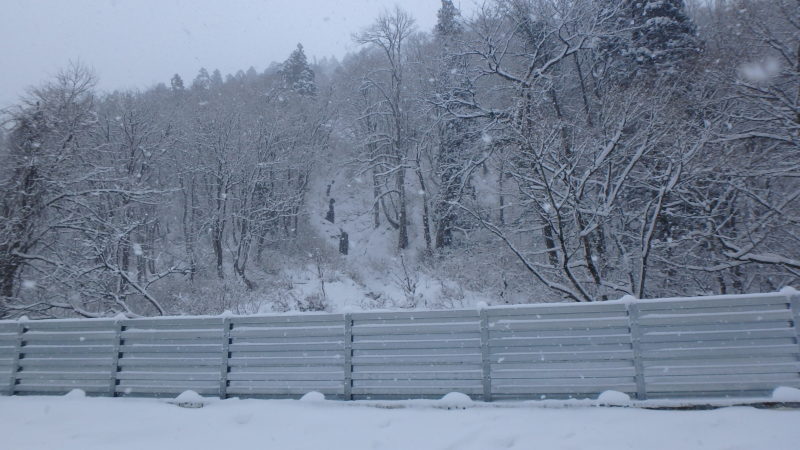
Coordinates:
column 742, row 345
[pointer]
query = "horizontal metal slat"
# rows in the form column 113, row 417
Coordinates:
column 440, row 344
column 559, row 384
column 555, row 308
column 711, row 301
column 578, row 349
column 333, row 333
column 734, row 343
column 533, row 374
column 61, row 376
column 449, row 351
column 674, row 328
column 60, row 389
column 555, row 333
column 88, row 350
column 241, row 321
column 714, row 318
column 284, row 361
column 403, row 360
column 280, row 391
column 720, row 352
column 562, row 365
column 179, row 349
column 564, row 356
column 691, row 336
column 568, row 390
column 286, row 347
column 171, row 391
column 371, row 330
column 413, row 376
column 732, row 369
column 767, row 378
column 408, row 315
column 171, row 334
column 715, row 388
column 561, row 324
column 413, row 391
column 512, row 341
column 287, row 376
column 165, row 362
column 441, row 367
column 169, row 376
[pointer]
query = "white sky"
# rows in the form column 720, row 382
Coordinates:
column 137, row 43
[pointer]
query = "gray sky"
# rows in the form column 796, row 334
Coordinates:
column 137, row 43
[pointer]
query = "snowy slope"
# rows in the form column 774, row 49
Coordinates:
column 375, row 274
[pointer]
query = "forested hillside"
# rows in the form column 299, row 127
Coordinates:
column 537, row 150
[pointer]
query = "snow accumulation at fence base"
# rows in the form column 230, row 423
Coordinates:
column 28, row 423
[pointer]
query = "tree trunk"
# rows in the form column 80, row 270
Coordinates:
column 426, row 226
column 402, row 218
column 216, row 243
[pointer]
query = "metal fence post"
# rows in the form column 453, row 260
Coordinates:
column 794, row 301
column 348, row 357
column 227, row 324
column 12, row 379
column 486, row 364
column 636, row 342
column 112, row 382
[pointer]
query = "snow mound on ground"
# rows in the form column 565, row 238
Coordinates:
column 786, row 394
column 456, row 399
column 313, row 396
column 189, row 399
column 614, row 398
column 75, row 393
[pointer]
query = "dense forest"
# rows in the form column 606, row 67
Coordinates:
column 538, row 150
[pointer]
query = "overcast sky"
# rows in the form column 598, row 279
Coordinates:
column 137, row 43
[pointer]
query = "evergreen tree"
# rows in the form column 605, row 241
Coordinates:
column 454, row 133
column 646, row 37
column 664, row 37
column 176, row 82
column 216, row 79
column 297, row 75
column 448, row 23
column 202, row 81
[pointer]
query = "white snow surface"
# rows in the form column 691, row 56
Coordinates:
column 614, row 398
column 455, row 399
column 189, row 397
column 313, row 396
column 28, row 423
column 786, row 394
column 75, row 393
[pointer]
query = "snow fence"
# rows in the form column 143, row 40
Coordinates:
column 720, row 346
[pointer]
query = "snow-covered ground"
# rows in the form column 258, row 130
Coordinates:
column 373, row 275
column 76, row 423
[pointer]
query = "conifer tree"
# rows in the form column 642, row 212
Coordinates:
column 216, row 79
column 454, row 133
column 297, row 75
column 176, row 82
column 649, row 37
column 202, row 81
column 664, row 36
